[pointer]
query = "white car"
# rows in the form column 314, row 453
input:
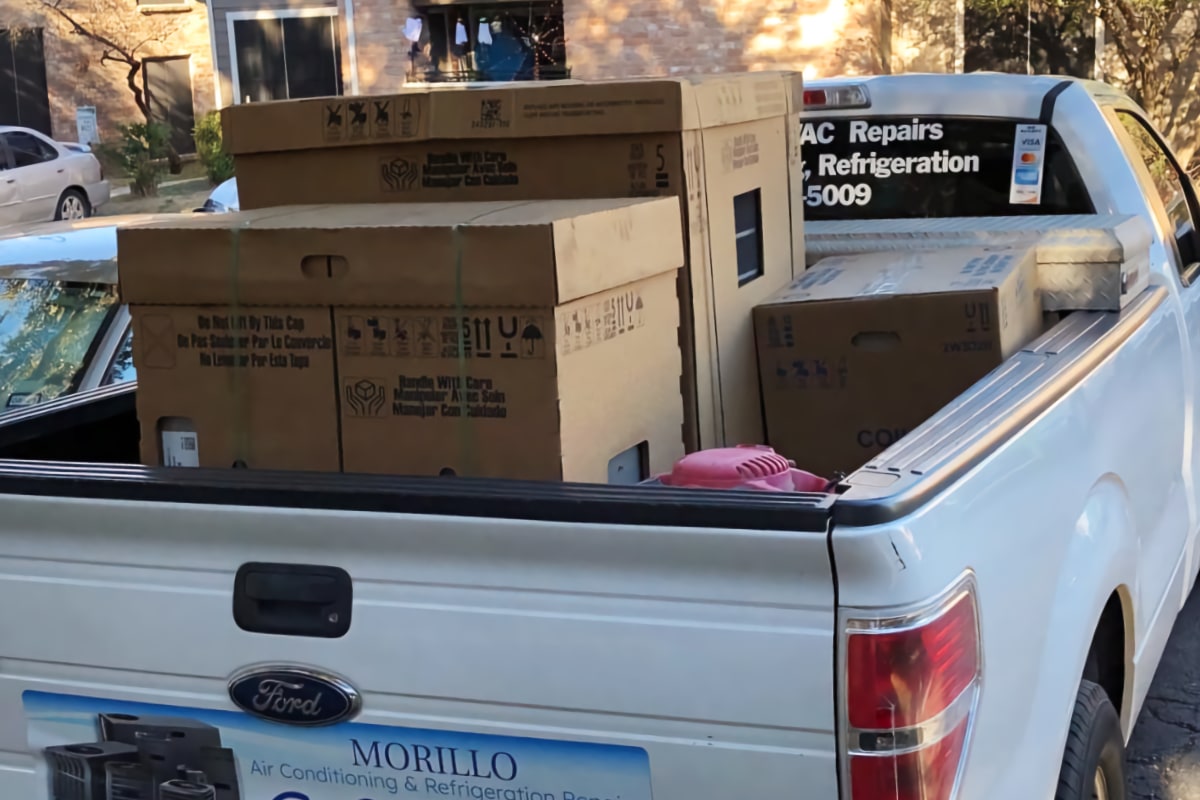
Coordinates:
column 43, row 180
column 222, row 199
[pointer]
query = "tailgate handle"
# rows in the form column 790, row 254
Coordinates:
column 293, row 599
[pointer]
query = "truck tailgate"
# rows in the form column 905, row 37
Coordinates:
column 494, row 658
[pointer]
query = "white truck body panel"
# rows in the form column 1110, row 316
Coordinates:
column 510, row 627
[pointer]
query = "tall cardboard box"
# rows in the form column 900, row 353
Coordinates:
column 528, row 340
column 726, row 145
column 861, row 349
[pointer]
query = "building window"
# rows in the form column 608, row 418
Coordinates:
column 491, row 42
column 24, row 99
column 747, row 226
column 1037, row 36
column 285, row 55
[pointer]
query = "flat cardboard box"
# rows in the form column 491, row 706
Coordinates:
column 520, row 340
column 861, row 349
column 1092, row 262
column 726, row 145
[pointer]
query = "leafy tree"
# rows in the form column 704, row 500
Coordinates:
column 1151, row 47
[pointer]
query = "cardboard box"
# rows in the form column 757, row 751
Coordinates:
column 861, row 349
column 726, row 145
column 1085, row 262
column 520, row 340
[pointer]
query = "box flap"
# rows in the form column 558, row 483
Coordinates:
column 526, row 110
column 870, row 275
column 534, row 253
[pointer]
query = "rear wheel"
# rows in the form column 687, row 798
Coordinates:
column 73, row 205
column 1093, row 765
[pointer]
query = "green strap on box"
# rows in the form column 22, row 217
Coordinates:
column 466, row 452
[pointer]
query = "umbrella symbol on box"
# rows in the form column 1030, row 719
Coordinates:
column 532, row 339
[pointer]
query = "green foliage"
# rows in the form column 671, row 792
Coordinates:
column 218, row 164
column 139, row 155
column 49, row 328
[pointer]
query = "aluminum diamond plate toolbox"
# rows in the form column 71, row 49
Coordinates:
column 1085, row 262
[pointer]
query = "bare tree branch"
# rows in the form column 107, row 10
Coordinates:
column 118, row 30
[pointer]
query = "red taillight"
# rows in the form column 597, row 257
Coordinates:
column 814, row 97
column 841, row 96
column 896, row 679
column 910, row 688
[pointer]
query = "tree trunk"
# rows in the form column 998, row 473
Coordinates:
column 174, row 160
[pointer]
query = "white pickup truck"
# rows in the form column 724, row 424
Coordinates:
column 975, row 613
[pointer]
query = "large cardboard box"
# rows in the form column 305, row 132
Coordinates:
column 861, row 349
column 520, row 340
column 726, row 145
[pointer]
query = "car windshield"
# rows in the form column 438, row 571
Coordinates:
column 47, row 331
column 936, row 166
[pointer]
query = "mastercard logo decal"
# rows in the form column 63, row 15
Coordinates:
column 1028, row 158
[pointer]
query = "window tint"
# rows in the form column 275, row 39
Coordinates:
column 1167, row 182
column 28, row 149
column 747, row 226
column 122, row 369
column 906, row 167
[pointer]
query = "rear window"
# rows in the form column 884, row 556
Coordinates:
column 906, row 167
column 48, row 330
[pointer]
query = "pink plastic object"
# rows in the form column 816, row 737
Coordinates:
column 747, row 466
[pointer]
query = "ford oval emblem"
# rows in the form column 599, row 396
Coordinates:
column 294, row 695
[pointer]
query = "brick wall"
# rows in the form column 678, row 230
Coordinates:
column 382, row 50
column 657, row 37
column 628, row 38
column 75, row 76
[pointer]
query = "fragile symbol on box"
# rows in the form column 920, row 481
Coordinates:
column 334, row 122
column 401, row 342
column 381, row 124
column 377, row 335
column 358, row 119
column 409, row 118
column 426, row 342
column 365, row 397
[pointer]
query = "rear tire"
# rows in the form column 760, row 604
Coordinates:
column 73, row 205
column 1093, row 765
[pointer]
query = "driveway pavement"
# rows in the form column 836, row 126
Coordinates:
column 1164, row 755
